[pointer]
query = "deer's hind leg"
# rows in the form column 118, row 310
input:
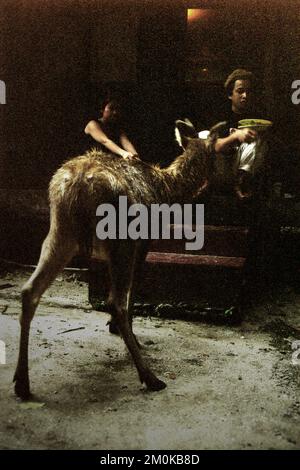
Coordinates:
column 55, row 254
column 141, row 249
column 122, row 265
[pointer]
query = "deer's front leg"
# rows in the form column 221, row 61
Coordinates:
column 122, row 263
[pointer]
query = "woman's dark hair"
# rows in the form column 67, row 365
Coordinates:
column 114, row 103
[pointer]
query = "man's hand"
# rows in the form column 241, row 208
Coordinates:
column 226, row 144
column 245, row 135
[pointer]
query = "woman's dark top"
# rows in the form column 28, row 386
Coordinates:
column 113, row 132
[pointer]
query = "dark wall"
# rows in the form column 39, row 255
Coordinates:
column 47, row 75
column 160, row 70
column 59, row 59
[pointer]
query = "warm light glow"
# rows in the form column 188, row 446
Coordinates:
column 194, row 14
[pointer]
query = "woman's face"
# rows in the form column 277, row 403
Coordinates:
column 111, row 112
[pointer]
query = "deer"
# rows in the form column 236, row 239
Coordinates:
column 75, row 191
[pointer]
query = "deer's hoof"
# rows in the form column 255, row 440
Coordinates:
column 22, row 389
column 155, row 385
column 113, row 327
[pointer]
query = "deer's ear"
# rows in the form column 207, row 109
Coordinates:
column 181, row 139
column 178, row 137
column 184, row 130
column 186, row 140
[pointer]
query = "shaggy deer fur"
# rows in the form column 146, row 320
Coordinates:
column 76, row 190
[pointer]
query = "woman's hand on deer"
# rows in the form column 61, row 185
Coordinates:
column 129, row 155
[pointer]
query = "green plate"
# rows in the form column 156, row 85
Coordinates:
column 255, row 123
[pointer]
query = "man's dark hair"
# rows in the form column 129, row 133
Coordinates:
column 238, row 74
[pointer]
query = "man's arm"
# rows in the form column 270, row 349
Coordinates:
column 94, row 130
column 238, row 136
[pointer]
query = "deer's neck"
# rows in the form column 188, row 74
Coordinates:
column 187, row 172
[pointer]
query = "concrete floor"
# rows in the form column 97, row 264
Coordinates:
column 228, row 387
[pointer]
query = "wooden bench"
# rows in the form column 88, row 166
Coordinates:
column 172, row 274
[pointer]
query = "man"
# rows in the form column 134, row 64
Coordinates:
column 108, row 131
column 245, row 144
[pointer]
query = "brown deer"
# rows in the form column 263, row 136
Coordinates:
column 75, row 191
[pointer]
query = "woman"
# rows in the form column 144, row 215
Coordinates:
column 108, row 132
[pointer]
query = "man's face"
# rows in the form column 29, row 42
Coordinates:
column 242, row 95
